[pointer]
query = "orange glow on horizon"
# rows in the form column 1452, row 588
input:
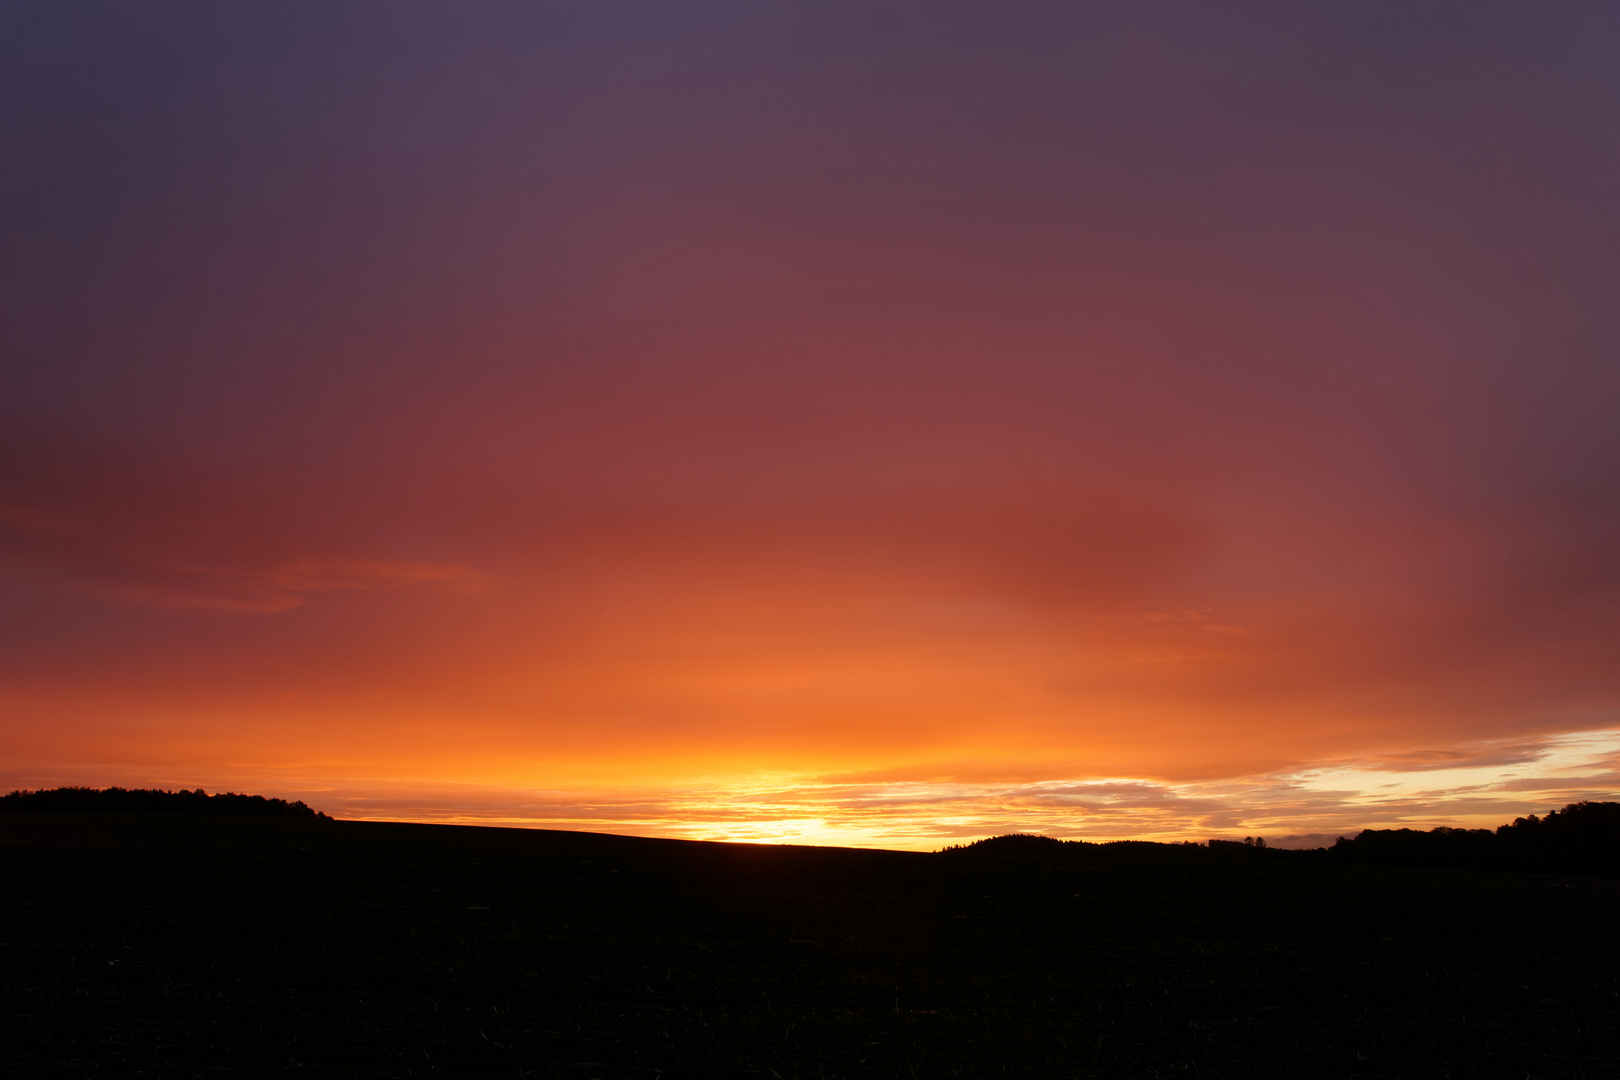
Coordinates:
column 793, row 428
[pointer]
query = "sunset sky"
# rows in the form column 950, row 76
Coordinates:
column 863, row 423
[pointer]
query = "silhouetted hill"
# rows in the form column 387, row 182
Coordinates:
column 117, row 800
column 1582, row 838
column 192, row 944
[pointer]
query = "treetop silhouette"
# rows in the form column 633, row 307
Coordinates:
column 117, row 800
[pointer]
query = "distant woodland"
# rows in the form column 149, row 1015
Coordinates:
column 117, row 800
column 1582, row 838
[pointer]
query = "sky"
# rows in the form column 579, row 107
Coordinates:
column 872, row 423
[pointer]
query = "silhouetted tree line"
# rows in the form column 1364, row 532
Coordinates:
column 1582, row 838
column 1019, row 844
column 117, row 800
column 1022, row 845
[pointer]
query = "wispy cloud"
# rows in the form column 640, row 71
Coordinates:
column 1304, row 807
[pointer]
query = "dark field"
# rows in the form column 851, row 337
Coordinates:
column 176, row 947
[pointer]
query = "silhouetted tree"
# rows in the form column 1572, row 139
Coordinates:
column 1582, row 838
column 117, row 800
column 1017, row 844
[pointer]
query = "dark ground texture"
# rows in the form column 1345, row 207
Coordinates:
column 165, row 946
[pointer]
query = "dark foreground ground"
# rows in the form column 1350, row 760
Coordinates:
column 178, row 947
